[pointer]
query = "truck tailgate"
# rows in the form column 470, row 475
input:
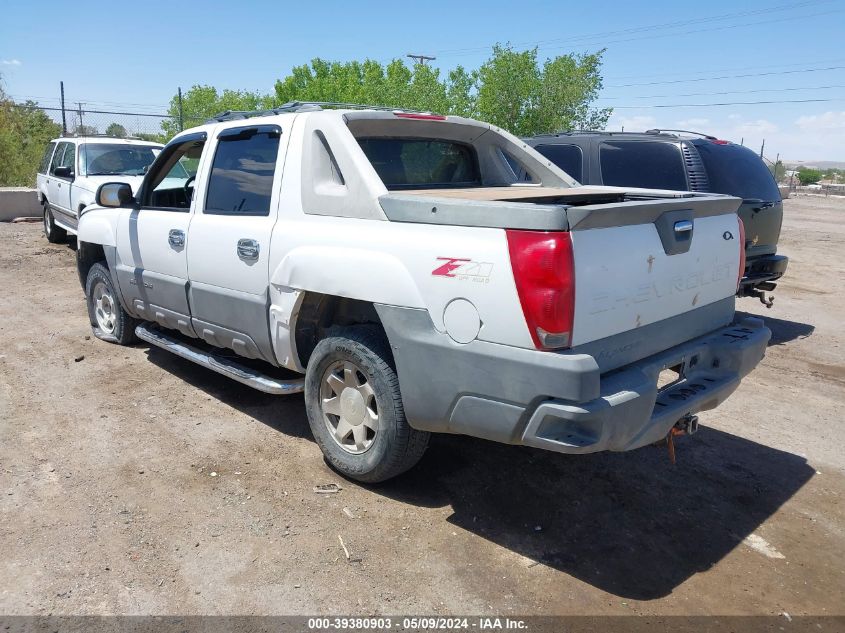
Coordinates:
column 677, row 257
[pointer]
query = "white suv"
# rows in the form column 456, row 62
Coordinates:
column 73, row 167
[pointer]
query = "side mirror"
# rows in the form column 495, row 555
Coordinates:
column 114, row 194
column 63, row 172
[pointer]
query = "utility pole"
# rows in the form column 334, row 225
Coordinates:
column 762, row 147
column 421, row 59
column 81, row 127
column 64, row 121
column 181, row 119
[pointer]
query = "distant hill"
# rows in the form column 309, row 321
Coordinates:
column 817, row 164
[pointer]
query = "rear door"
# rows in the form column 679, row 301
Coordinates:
column 229, row 240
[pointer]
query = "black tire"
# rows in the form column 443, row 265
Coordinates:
column 54, row 234
column 122, row 330
column 395, row 446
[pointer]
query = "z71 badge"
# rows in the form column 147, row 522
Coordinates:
column 463, row 269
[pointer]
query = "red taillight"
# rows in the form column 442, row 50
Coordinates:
column 718, row 141
column 741, row 251
column 419, row 115
column 544, row 272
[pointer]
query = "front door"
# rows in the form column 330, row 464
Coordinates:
column 229, row 240
column 58, row 187
column 152, row 240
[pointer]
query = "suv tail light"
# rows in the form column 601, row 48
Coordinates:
column 741, row 271
column 544, row 272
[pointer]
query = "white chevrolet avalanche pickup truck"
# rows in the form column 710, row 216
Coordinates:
column 73, row 168
column 396, row 260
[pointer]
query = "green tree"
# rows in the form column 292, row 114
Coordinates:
column 24, row 133
column 116, row 129
column 202, row 102
column 511, row 89
column 807, row 176
column 778, row 170
column 516, row 93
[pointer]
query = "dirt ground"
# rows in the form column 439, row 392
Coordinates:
column 133, row 482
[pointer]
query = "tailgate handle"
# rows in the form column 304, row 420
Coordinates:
column 683, row 226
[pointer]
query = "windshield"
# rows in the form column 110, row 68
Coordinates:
column 114, row 159
column 737, row 171
column 407, row 163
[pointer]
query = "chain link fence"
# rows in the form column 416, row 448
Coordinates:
column 81, row 121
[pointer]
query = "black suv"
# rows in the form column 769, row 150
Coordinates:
column 686, row 161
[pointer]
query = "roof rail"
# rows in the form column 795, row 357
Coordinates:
column 662, row 131
column 301, row 106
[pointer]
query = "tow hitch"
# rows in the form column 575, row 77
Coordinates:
column 760, row 290
column 687, row 425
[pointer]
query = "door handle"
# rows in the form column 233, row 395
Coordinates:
column 176, row 238
column 683, row 226
column 248, row 249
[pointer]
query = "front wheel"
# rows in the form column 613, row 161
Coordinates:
column 54, row 234
column 109, row 321
column 355, row 409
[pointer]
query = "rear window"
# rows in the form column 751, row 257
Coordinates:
column 114, row 159
column 648, row 164
column 406, row 163
column 737, row 171
column 568, row 157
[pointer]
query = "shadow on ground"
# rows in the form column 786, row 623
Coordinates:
column 630, row 524
column 783, row 331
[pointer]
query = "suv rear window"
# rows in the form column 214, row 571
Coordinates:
column 649, row 164
column 407, row 163
column 567, row 157
column 737, row 171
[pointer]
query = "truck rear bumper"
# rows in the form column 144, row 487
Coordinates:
column 561, row 402
column 761, row 269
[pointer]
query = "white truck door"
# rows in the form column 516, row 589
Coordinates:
column 152, row 241
column 229, row 240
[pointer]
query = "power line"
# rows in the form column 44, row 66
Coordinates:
column 675, row 24
column 717, row 28
column 709, row 71
column 729, row 103
column 768, row 74
column 728, row 92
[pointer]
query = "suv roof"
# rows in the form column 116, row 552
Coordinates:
column 106, row 139
column 648, row 134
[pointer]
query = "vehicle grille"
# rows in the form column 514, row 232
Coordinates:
column 696, row 173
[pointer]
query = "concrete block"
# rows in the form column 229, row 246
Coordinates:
column 18, row 202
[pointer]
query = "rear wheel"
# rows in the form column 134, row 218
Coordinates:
column 109, row 321
column 54, row 234
column 355, row 409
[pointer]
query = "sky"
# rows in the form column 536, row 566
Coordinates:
column 660, row 53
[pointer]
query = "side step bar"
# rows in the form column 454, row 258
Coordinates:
column 220, row 364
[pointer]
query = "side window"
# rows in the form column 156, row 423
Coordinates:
column 57, row 157
column 45, row 160
column 169, row 181
column 568, row 157
column 519, row 172
column 648, row 164
column 241, row 179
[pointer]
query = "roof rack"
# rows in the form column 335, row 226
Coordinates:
column 301, row 106
column 77, row 135
column 662, row 131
